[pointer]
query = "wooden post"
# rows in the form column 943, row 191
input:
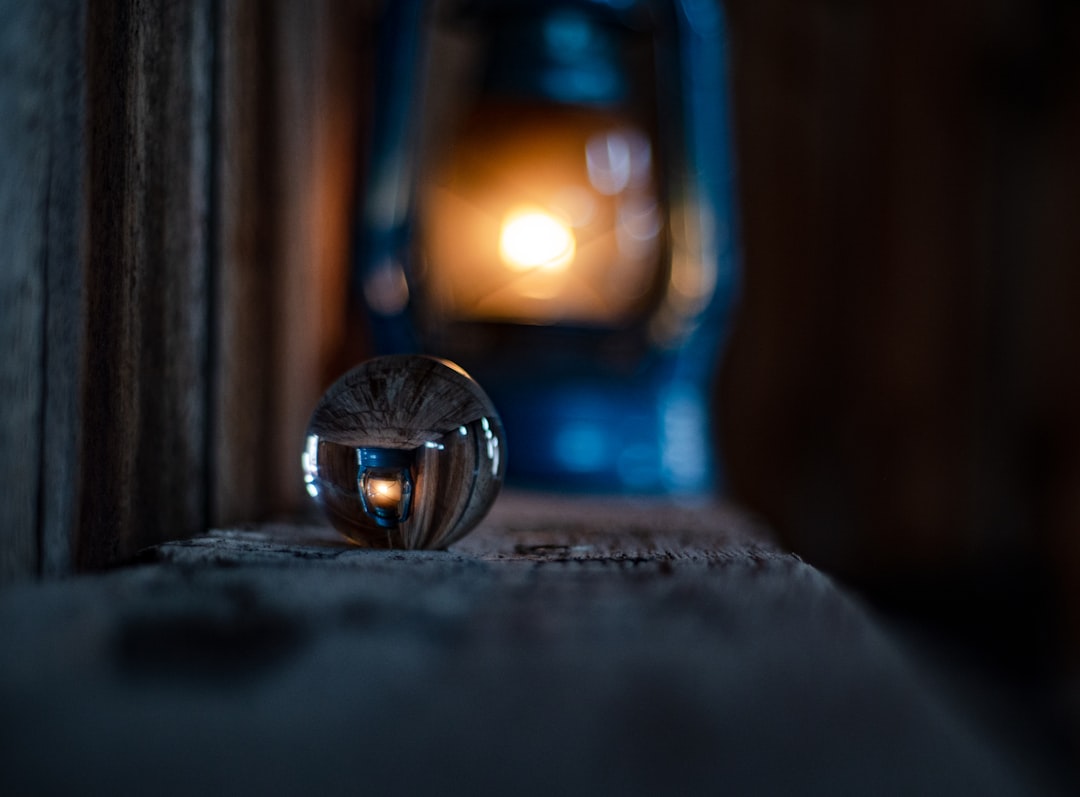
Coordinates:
column 148, row 205
column 176, row 195
column 41, row 151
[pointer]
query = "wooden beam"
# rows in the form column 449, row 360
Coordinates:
column 569, row 646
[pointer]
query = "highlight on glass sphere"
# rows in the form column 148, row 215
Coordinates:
column 404, row 451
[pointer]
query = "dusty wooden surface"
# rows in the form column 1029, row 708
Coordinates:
column 567, row 647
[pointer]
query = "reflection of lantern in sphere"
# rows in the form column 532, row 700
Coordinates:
column 546, row 207
column 385, row 484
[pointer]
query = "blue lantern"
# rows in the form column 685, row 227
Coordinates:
column 549, row 204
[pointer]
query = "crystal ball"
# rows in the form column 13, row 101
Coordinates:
column 404, row 451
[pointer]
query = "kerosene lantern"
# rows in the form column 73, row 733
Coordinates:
column 549, row 206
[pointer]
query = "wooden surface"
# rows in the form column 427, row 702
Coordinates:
column 105, row 207
column 175, row 185
column 567, row 647
column 265, row 368
column 41, row 151
column 143, row 440
column 292, row 79
column 901, row 395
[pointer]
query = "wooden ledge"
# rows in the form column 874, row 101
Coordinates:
column 569, row 646
column 521, row 527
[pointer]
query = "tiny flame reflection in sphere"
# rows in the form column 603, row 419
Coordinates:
column 384, row 493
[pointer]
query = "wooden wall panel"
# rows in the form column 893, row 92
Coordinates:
column 148, row 200
column 41, row 146
column 902, row 392
column 177, row 187
column 177, row 191
column 293, row 81
column 245, row 283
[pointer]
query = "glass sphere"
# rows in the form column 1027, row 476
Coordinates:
column 404, row 451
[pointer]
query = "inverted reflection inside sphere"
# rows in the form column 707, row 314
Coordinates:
column 404, row 451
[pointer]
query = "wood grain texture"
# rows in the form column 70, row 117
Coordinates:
column 107, row 193
column 41, row 147
column 900, row 395
column 291, row 81
column 246, row 282
column 149, row 75
column 569, row 646
column 398, row 401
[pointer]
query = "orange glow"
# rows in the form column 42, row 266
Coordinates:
column 383, row 493
column 542, row 217
column 535, row 239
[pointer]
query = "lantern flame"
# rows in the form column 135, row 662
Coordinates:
column 533, row 239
